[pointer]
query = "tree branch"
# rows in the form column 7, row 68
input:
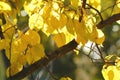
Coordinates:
column 44, row 61
column 108, row 21
column 59, row 52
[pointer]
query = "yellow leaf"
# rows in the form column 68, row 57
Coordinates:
column 13, row 69
column 70, row 26
column 46, row 10
column 8, row 30
column 81, row 39
column 4, row 43
column 110, row 72
column 63, row 20
column 32, row 37
column 59, row 39
column 55, row 6
column 35, row 53
column 32, row 6
column 65, row 78
column 53, row 23
column 19, row 46
column 82, row 34
column 74, row 3
column 36, row 21
column 4, row 6
column 69, row 37
column 118, row 3
column 100, row 37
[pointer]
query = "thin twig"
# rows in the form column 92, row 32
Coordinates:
column 51, row 74
column 44, row 61
column 96, row 11
column 109, row 7
column 84, row 4
column 100, row 53
column 108, row 21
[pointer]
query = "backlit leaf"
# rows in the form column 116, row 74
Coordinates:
column 35, row 53
column 35, row 21
column 110, row 73
column 4, row 7
column 32, row 37
column 118, row 3
column 59, row 39
column 74, row 3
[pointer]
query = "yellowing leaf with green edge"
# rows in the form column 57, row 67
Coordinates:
column 35, row 53
column 110, row 72
column 65, row 78
column 36, row 21
column 59, row 39
column 32, row 37
column 4, row 7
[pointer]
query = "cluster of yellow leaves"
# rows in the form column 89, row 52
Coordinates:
column 20, row 48
column 26, row 48
column 111, row 68
column 53, row 18
column 65, row 23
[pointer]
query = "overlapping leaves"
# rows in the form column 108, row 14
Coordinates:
column 64, row 21
column 111, row 68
